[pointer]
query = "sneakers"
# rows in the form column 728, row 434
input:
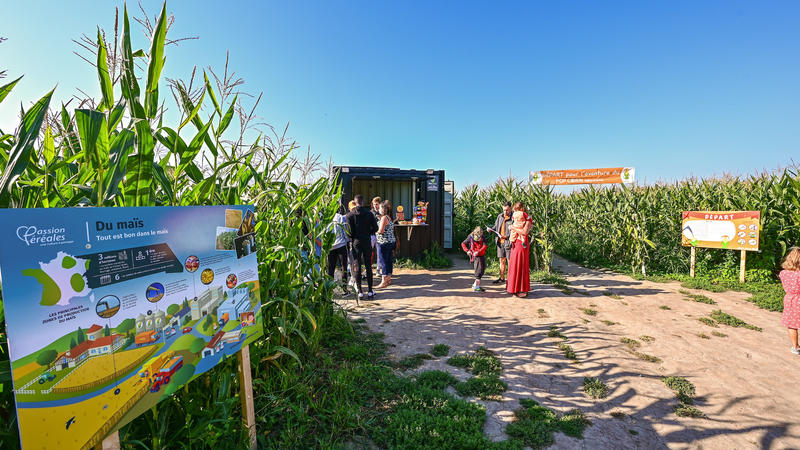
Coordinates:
column 478, row 289
column 796, row 351
column 361, row 296
column 370, row 295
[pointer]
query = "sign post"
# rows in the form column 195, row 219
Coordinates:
column 729, row 230
column 246, row 395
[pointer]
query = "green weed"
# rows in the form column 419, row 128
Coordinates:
column 646, row 338
column 555, row 333
column 534, row 424
column 436, row 379
column 709, row 322
column 648, row 358
column 612, row 295
column 665, row 307
column 569, row 353
column 732, row 321
column 594, row 388
column 440, row 350
column 413, row 361
column 632, row 344
column 487, row 387
column 718, row 334
column 609, row 323
column 589, row 312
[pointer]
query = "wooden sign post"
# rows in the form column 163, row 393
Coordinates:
column 111, row 442
column 246, row 394
column 692, row 260
column 741, row 266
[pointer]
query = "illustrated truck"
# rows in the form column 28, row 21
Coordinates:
column 163, row 376
column 146, row 338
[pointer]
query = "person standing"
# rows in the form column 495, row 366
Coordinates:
column 386, row 243
column 790, row 277
column 502, row 227
column 376, row 211
column 519, row 277
column 475, row 247
column 339, row 251
column 362, row 227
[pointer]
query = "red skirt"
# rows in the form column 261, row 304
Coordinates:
column 519, row 276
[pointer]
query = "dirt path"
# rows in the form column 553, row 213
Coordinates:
column 747, row 382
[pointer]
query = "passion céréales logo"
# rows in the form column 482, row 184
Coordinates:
column 31, row 235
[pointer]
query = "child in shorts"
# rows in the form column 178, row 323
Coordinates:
column 475, row 247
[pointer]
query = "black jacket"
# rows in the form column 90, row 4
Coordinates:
column 362, row 224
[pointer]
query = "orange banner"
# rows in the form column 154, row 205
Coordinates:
column 732, row 230
column 610, row 175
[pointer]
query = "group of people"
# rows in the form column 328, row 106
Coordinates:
column 360, row 233
column 512, row 231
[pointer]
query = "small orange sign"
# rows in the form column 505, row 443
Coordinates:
column 732, row 230
column 610, row 175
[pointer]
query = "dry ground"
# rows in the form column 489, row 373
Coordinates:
column 747, row 382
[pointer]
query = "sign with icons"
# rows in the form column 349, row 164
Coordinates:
column 732, row 230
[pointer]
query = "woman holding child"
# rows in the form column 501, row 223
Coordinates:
column 519, row 281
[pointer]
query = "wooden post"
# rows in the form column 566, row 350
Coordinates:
column 111, row 442
column 692, row 261
column 246, row 394
column 741, row 266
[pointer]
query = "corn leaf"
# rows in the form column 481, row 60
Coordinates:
column 156, row 63
column 106, row 87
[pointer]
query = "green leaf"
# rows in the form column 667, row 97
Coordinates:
column 193, row 112
column 226, row 119
column 106, row 87
column 138, row 191
column 128, row 82
column 211, row 94
column 20, row 155
column 161, row 178
column 156, row 63
column 115, row 116
column 6, row 89
column 286, row 351
column 48, row 146
column 118, row 162
column 93, row 132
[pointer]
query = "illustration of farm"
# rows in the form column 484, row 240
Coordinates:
column 101, row 374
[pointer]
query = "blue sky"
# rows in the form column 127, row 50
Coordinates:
column 478, row 89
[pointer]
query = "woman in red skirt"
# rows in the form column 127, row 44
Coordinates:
column 519, row 277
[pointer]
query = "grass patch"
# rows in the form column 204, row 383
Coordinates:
column 436, row 379
column 699, row 298
column 618, row 415
column 703, row 336
column 718, row 334
column 440, row 350
column 534, row 424
column 482, row 362
column 609, row 323
column 586, row 320
column 569, row 353
column 665, row 307
column 487, row 387
column 542, row 313
column 684, row 410
column 589, row 311
column 709, row 322
column 413, row 361
column 463, row 361
column 682, row 387
column 632, row 344
column 594, row 388
column 555, row 333
column 646, row 338
column 612, row 295
column 732, row 321
column 648, row 358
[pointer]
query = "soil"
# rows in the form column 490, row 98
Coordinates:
column 746, row 381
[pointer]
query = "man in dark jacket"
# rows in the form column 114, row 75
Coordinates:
column 362, row 226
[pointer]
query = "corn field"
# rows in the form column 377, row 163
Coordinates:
column 136, row 146
column 638, row 228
